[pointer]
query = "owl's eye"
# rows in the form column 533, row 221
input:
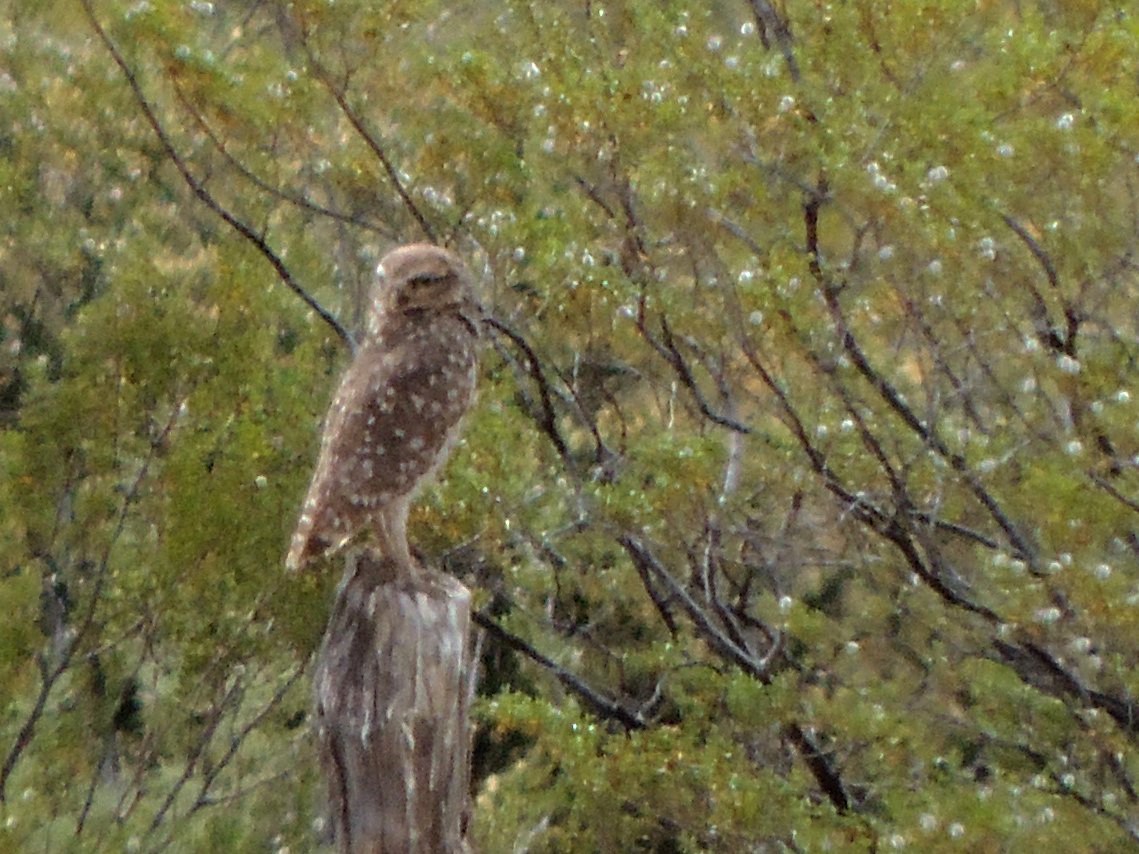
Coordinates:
column 426, row 279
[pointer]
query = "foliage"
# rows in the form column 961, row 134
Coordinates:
column 800, row 500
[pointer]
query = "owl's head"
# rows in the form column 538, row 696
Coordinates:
column 422, row 276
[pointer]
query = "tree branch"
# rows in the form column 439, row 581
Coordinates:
column 370, row 139
column 769, row 21
column 885, row 389
column 668, row 350
column 547, row 418
column 824, row 771
column 49, row 674
column 1037, row 667
column 597, row 702
column 260, row 183
column 199, row 190
column 1055, row 341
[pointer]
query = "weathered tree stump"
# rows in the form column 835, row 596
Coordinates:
column 392, row 702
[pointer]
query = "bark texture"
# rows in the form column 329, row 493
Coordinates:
column 392, row 704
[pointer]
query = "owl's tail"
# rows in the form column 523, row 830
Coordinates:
column 307, row 545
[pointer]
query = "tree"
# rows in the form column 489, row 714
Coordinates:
column 799, row 505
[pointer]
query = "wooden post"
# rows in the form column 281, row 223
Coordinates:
column 392, row 705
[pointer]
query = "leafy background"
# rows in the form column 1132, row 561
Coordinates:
column 800, row 499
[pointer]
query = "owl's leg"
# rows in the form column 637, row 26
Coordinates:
column 391, row 533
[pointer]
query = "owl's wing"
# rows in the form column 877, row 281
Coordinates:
column 387, row 429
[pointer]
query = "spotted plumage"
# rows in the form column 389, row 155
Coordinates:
column 396, row 414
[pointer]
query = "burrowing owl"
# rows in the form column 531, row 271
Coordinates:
column 396, row 414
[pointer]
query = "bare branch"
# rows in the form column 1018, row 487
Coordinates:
column 601, row 451
column 213, row 720
column 1039, row 668
column 594, row 195
column 821, row 765
column 597, row 702
column 1054, row 340
column 547, row 418
column 199, row 189
column 639, row 553
column 1130, row 503
column 1036, row 249
column 894, row 527
column 885, row 389
column 370, row 138
column 660, row 601
column 49, row 674
column 260, row 183
column 668, row 350
column 769, row 21
column 736, row 230
column 235, row 743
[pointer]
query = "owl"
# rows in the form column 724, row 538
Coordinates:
column 396, row 414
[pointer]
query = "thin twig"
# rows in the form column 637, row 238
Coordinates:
column 667, row 348
column 1037, row 667
column 50, row 675
column 547, row 418
column 823, row 769
column 770, row 21
column 886, row 390
column 597, row 702
column 1102, row 483
column 199, row 190
column 237, row 740
column 1059, row 343
column 260, row 183
column 371, row 140
column 639, row 553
